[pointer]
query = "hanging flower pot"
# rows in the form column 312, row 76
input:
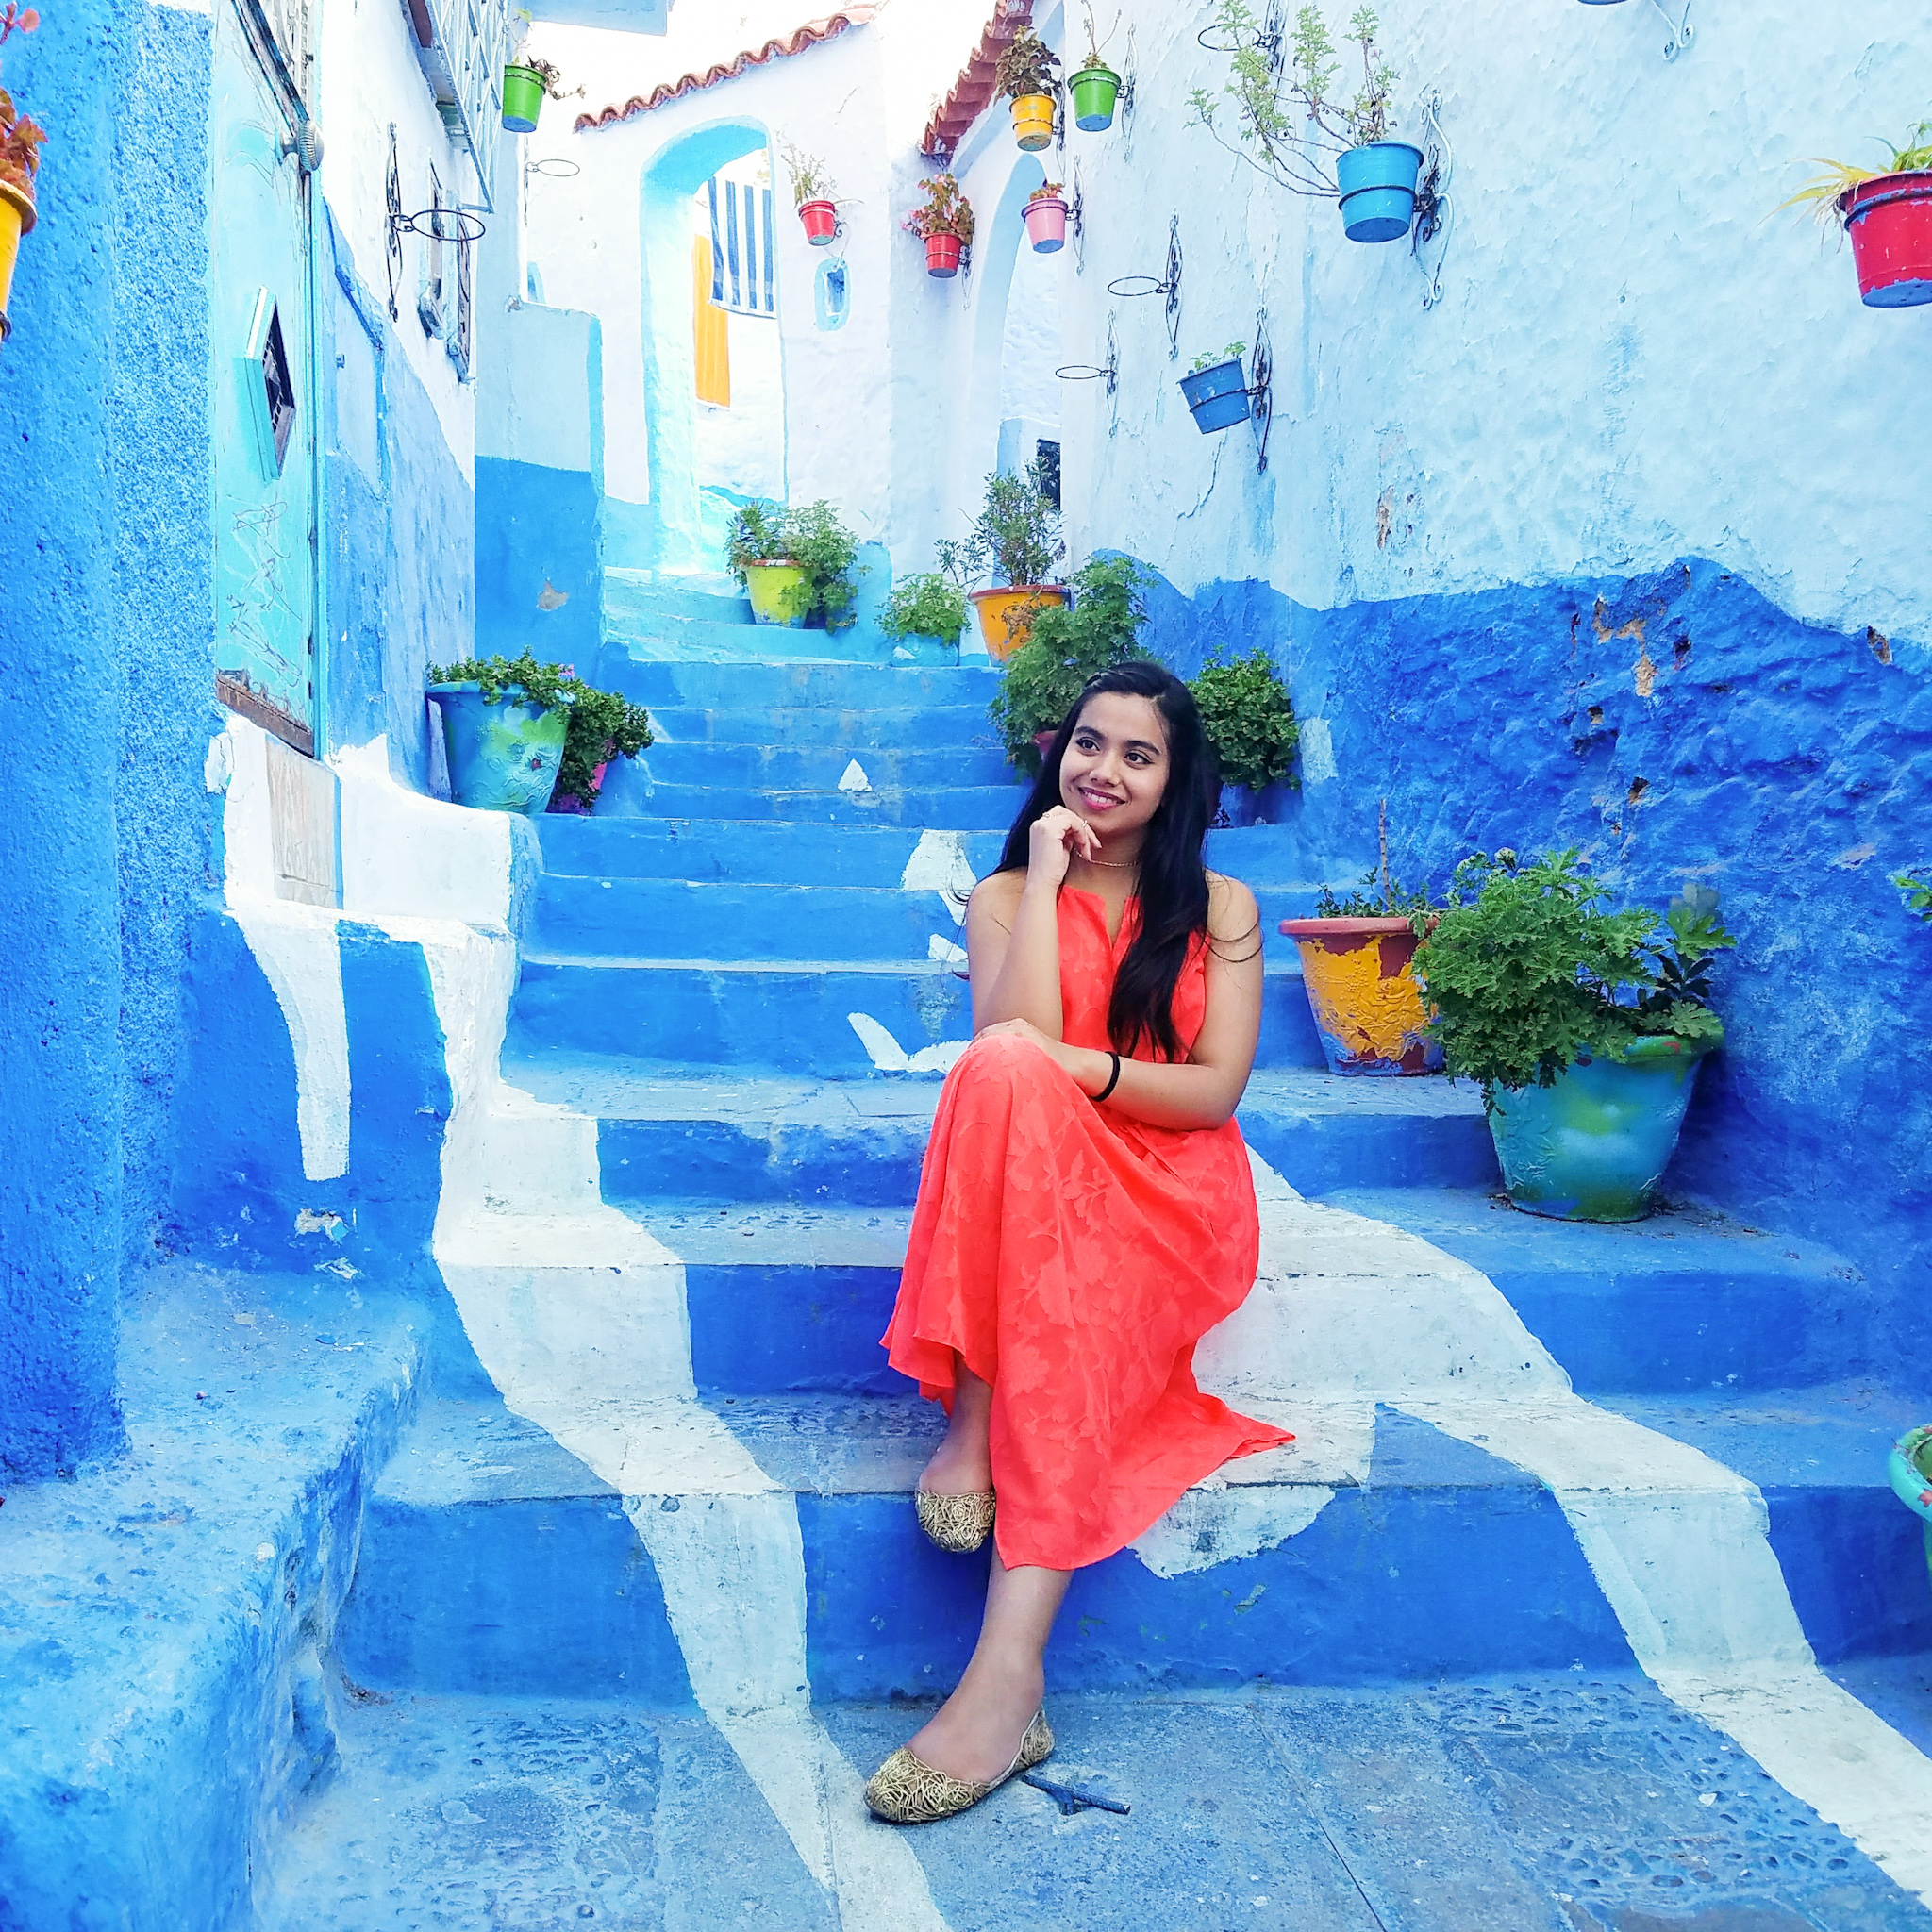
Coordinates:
column 821, row 219
column 1890, row 221
column 1033, row 122
column 1095, row 89
column 1006, row 615
column 1218, row 395
column 1909, row 1468
column 942, row 255
column 1362, row 989
column 780, row 592
column 1377, row 183
column 503, row 754
column 17, row 218
column 522, row 99
column 1594, row 1146
column 1046, row 222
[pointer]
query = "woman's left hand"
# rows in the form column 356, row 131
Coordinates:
column 1078, row 1062
column 1024, row 1029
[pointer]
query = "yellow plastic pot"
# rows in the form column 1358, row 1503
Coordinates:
column 1005, row 616
column 17, row 217
column 1033, row 121
column 780, row 592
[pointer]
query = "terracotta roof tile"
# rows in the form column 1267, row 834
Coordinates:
column 809, row 34
column 974, row 90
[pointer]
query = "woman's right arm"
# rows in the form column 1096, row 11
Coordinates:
column 1013, row 930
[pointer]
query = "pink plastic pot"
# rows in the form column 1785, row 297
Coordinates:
column 942, row 255
column 821, row 219
column 1046, row 224
column 1890, row 221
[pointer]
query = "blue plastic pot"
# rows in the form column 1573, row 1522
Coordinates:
column 503, row 757
column 1378, row 182
column 1218, row 396
column 1594, row 1146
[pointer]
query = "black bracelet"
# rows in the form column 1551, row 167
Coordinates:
column 1114, row 1080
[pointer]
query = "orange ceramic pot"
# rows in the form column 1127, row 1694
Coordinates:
column 1362, row 989
column 1005, row 616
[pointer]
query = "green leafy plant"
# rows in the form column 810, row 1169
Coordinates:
column 926, row 605
column 1016, row 537
column 1249, row 718
column 1287, row 128
column 1026, row 66
column 810, row 537
column 1213, row 359
column 603, row 724
column 1047, row 190
column 810, row 179
column 1095, row 44
column 1375, row 898
column 1828, row 193
column 1917, row 890
column 1527, row 971
column 1065, row 646
column 944, row 212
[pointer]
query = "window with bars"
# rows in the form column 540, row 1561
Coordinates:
column 463, row 328
column 743, row 275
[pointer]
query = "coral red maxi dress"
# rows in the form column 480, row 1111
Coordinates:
column 1072, row 1258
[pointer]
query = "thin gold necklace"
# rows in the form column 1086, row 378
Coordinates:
column 1113, row 865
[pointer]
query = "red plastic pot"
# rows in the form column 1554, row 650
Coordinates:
column 942, row 255
column 1046, row 224
column 1042, row 742
column 821, row 219
column 1890, row 221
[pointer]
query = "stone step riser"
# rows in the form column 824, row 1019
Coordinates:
column 933, row 727
column 1392, row 1582
column 628, row 791
column 668, row 919
column 729, row 647
column 792, row 1019
column 774, row 766
column 758, row 684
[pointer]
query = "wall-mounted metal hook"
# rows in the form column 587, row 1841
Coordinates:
column 1107, row 371
column 1076, row 223
column 1169, row 285
column 552, row 168
column 1435, row 210
column 1681, row 32
column 1261, row 391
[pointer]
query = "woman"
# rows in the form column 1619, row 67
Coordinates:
column 1085, row 1213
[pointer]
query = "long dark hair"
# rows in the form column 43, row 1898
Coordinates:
column 1173, row 881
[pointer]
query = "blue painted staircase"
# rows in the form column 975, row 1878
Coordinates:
column 793, row 852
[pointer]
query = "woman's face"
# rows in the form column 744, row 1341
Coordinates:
column 1114, row 773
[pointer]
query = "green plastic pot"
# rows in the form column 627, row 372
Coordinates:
column 1094, row 90
column 1594, row 1146
column 522, row 99
column 780, row 593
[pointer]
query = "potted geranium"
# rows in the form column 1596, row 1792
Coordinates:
column 1888, row 213
column 516, row 731
column 797, row 566
column 1025, row 77
column 1297, row 129
column 1094, row 86
column 944, row 223
column 1066, row 646
column 1249, row 718
column 1586, row 1027
column 527, row 82
column 812, row 192
column 1216, row 390
column 925, row 615
column 1015, row 540
column 19, row 162
column 1045, row 215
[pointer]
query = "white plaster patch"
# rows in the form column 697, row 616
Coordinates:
column 943, row 952
column 1217, row 1522
column 938, row 864
column 853, row 780
column 1318, row 752
column 296, row 946
column 889, row 1057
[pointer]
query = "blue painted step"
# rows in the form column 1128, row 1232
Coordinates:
column 791, row 1016
column 1684, row 1301
column 628, row 791
column 837, row 687
column 632, row 597
column 778, row 767
column 687, row 1135
column 933, row 727
column 703, row 641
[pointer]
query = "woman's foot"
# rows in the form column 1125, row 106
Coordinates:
column 974, row 1735
column 963, row 1464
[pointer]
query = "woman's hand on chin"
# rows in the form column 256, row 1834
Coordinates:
column 1056, row 835
column 1088, row 1069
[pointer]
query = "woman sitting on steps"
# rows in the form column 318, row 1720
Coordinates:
column 1086, row 1211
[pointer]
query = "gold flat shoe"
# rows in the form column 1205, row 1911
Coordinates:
column 906, row 1789
column 957, row 1524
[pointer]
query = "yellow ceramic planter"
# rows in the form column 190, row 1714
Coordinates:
column 1362, row 989
column 1033, row 121
column 17, row 218
column 1005, row 616
column 779, row 594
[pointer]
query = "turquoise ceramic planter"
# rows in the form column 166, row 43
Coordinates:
column 1594, row 1146
column 1909, row 1467
column 503, row 757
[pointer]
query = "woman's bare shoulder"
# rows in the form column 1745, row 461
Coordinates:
column 998, row 892
column 1232, row 913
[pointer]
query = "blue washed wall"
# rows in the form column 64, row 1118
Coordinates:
column 536, row 539
column 1676, row 725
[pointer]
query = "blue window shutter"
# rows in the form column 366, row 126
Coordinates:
column 751, row 252
column 731, row 241
column 770, row 294
column 717, row 253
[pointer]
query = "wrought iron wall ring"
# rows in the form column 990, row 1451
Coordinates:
column 440, row 225
column 1169, row 285
column 552, row 168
